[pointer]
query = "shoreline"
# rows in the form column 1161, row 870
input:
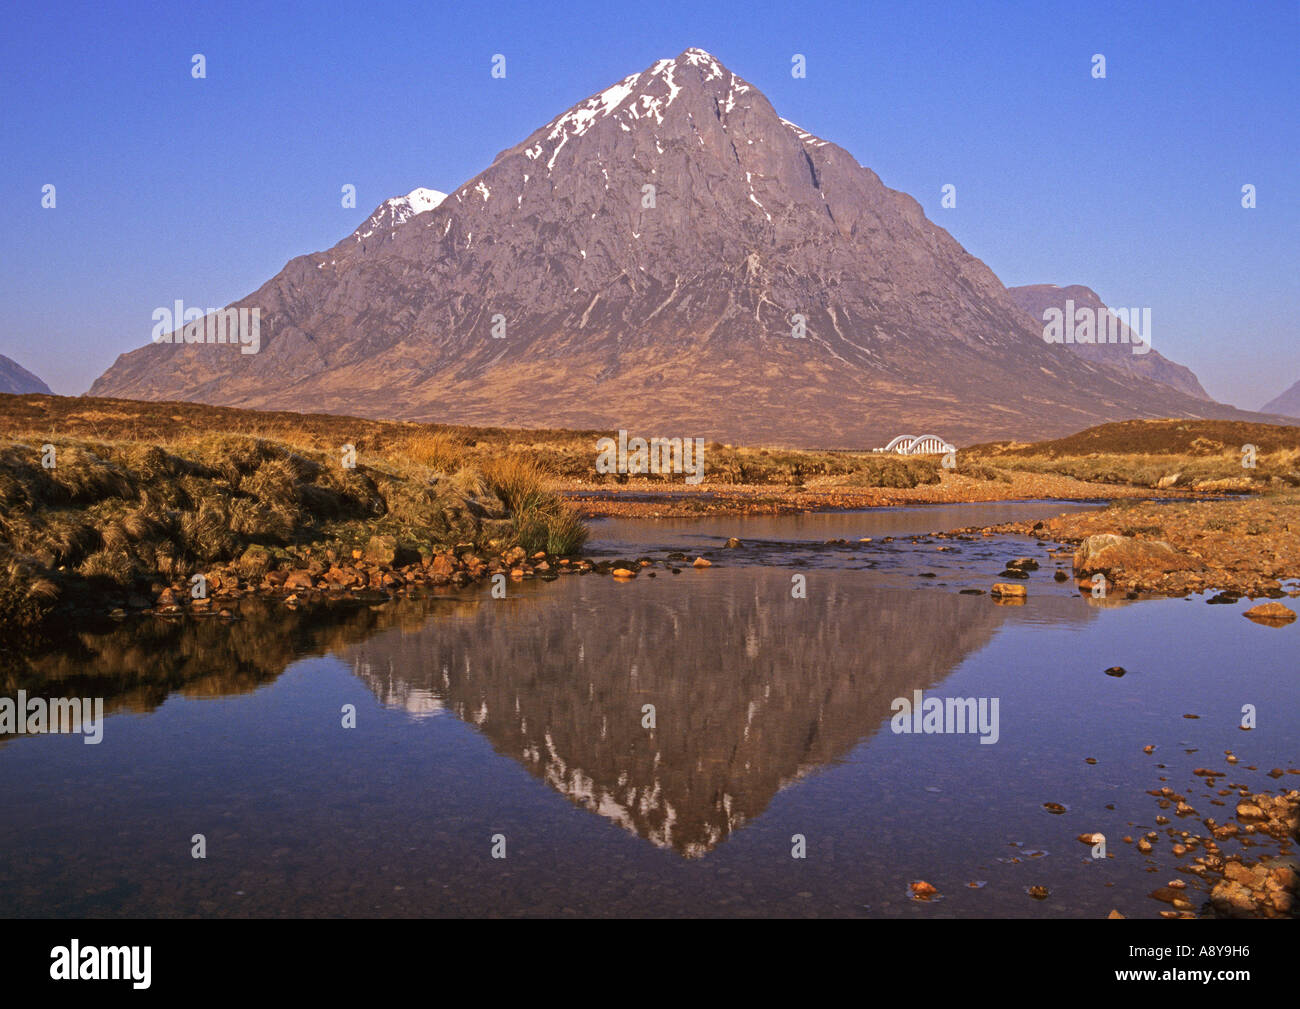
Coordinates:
column 1209, row 551
column 652, row 499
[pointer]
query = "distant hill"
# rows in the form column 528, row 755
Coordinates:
column 1288, row 404
column 16, row 379
column 1156, row 437
column 1037, row 298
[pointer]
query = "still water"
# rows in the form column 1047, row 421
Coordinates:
column 485, row 724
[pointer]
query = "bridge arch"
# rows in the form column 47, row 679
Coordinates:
column 924, row 444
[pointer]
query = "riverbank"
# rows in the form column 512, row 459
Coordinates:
column 645, row 499
column 96, row 525
column 1234, row 547
column 115, row 505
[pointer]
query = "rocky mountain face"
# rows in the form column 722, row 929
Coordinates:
column 1287, row 404
column 672, row 257
column 1150, row 364
column 16, row 379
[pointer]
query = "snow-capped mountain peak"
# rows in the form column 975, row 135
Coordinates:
column 393, row 213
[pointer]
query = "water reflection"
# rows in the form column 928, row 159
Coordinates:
column 751, row 689
column 137, row 664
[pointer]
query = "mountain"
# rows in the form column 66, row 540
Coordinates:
column 1038, row 298
column 1287, row 404
column 650, row 253
column 16, row 379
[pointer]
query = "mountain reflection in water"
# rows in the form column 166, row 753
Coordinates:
column 751, row 689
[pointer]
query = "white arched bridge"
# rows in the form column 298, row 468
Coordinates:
column 925, row 444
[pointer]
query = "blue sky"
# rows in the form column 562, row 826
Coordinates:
column 170, row 187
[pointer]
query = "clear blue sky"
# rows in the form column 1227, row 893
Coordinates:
column 170, row 187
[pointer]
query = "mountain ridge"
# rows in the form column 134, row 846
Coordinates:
column 14, row 378
column 1037, row 298
column 1287, row 403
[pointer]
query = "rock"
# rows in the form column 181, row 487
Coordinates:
column 255, row 562
column 343, row 577
column 298, row 580
column 1271, row 614
column 1114, row 914
column 1107, row 553
column 381, row 550
column 1004, row 589
column 700, row 562
column 1039, row 892
column 1023, row 564
column 1232, row 900
column 733, row 543
column 922, row 890
column 1117, row 671
column 1061, row 576
column 1249, row 811
column 443, row 565
column 623, row 573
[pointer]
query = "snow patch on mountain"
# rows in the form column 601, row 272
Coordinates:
column 646, row 95
column 804, row 135
column 397, row 211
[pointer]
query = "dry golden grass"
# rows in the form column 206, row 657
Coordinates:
column 440, row 451
column 542, row 521
column 123, row 512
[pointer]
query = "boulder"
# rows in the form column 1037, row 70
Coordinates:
column 442, row 566
column 255, row 562
column 1107, row 553
column 1270, row 614
column 298, row 580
